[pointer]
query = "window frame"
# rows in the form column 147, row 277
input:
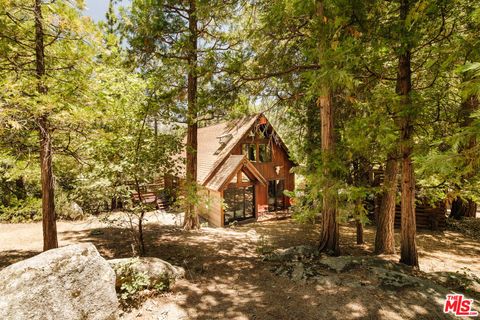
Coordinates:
column 247, row 147
column 268, row 153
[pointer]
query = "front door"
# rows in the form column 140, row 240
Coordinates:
column 239, row 203
column 275, row 195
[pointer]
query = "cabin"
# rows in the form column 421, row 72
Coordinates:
column 243, row 169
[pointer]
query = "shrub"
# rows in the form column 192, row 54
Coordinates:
column 65, row 208
column 133, row 286
column 22, row 210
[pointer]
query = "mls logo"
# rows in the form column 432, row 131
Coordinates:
column 459, row 306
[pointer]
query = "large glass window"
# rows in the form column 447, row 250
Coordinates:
column 264, row 153
column 239, row 204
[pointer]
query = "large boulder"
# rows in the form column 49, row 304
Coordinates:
column 157, row 270
column 72, row 282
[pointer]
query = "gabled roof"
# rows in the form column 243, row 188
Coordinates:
column 215, row 144
column 211, row 153
column 229, row 169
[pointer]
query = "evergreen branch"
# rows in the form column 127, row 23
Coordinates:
column 281, row 73
column 379, row 75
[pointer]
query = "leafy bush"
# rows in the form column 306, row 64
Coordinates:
column 132, row 285
column 23, row 210
column 30, row 209
column 65, row 208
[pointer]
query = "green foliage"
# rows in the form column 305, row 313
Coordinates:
column 22, row 210
column 98, row 109
column 134, row 283
column 264, row 247
column 354, row 52
column 159, row 45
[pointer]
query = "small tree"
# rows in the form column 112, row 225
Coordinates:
column 45, row 54
column 125, row 150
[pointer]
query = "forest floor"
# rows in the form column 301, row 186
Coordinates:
column 228, row 277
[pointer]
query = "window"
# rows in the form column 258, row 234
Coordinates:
column 251, row 151
column 239, row 204
column 264, row 153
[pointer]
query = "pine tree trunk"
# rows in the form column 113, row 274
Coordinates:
column 408, row 248
column 360, row 178
column 329, row 237
column 359, row 226
column 191, row 217
column 385, row 235
column 48, row 195
column 141, row 239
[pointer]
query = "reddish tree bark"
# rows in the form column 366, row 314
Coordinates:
column 329, row 236
column 191, row 220
column 359, row 226
column 48, row 194
column 385, row 235
column 408, row 248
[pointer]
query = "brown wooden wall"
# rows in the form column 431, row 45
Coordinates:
column 426, row 216
column 210, row 206
column 267, row 169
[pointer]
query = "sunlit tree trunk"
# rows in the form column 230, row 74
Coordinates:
column 191, row 217
column 385, row 235
column 329, row 236
column 48, row 201
column 359, row 227
column 408, row 248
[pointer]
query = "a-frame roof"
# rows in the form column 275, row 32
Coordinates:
column 216, row 142
column 229, row 169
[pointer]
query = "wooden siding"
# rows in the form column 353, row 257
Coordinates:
column 267, row 169
column 210, row 206
column 426, row 216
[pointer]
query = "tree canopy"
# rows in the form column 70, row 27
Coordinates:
column 89, row 112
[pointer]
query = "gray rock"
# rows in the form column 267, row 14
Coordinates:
column 171, row 311
column 338, row 264
column 156, row 269
column 72, row 282
column 330, row 281
column 395, row 280
column 293, row 253
column 298, row 272
column 75, row 207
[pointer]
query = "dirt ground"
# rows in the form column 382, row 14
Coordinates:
column 228, row 279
